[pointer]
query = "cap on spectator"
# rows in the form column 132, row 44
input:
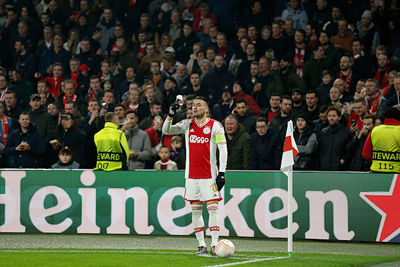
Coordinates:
column 298, row 90
column 171, row 79
column 169, row 49
column 303, row 116
column 367, row 13
column 34, row 97
column 65, row 150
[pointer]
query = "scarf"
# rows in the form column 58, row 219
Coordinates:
column 299, row 58
column 347, row 81
column 4, row 129
column 373, row 103
column 277, row 36
column 65, row 98
column 382, row 77
column 74, row 77
column 92, row 94
column 3, row 94
column 357, row 55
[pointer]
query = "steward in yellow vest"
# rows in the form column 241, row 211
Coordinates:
column 112, row 146
column 382, row 146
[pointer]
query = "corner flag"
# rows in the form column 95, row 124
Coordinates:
column 290, row 151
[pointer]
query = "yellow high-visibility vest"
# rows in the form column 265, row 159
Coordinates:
column 112, row 148
column 385, row 141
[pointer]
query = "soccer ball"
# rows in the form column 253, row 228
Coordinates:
column 224, row 248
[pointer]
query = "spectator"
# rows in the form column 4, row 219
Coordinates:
column 105, row 70
column 112, row 146
column 69, row 94
column 11, row 110
column 200, row 16
column 243, row 70
column 120, row 112
column 324, row 88
column 95, row 91
column 355, row 147
column 225, row 107
column 78, row 76
column 332, row 143
column 297, row 13
column 65, row 160
column 361, row 61
column 244, row 116
column 54, row 81
column 165, row 163
column 274, row 106
column 265, row 147
column 331, row 52
column 155, row 109
column 56, row 54
column 157, row 138
column 322, row 14
column 393, row 101
column 290, row 78
column 183, row 45
column 124, row 57
column 23, row 59
column 279, row 122
column 311, row 33
column 322, row 122
column 335, row 97
column 270, row 82
column 382, row 145
column 298, row 104
column 169, row 93
column 312, row 108
column 41, row 119
column 138, row 142
column 181, row 76
column 347, row 75
column 367, row 32
column 238, row 142
column 374, row 98
column 331, row 26
column 313, row 67
column 279, row 43
column 195, row 87
column 238, row 93
column 382, row 73
column 344, row 38
column 72, row 137
column 361, row 91
column 24, row 147
column 91, row 124
column 175, row 29
column 178, row 152
column 307, row 143
column 217, row 79
column 3, row 86
column 301, row 52
column 355, row 121
column 106, row 24
column 22, row 87
column 43, row 88
column 108, row 100
column 252, row 79
column 151, row 54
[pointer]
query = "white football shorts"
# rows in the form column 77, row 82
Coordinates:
column 201, row 190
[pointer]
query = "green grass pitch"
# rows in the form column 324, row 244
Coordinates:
column 91, row 257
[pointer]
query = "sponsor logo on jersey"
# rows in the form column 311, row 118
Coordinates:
column 191, row 130
column 198, row 140
column 206, row 130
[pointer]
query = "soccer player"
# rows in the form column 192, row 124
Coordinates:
column 204, row 180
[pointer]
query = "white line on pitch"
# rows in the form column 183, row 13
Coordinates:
column 249, row 261
column 114, row 252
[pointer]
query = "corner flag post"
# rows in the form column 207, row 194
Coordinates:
column 290, row 151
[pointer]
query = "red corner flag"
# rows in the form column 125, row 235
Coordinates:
column 289, row 150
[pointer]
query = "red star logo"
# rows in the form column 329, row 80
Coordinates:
column 386, row 204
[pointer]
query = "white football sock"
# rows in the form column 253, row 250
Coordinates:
column 198, row 223
column 213, row 223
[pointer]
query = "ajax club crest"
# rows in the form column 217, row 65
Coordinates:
column 206, row 130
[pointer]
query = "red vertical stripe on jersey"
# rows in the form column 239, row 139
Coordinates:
column 199, row 150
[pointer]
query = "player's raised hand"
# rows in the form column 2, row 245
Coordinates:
column 173, row 109
column 220, row 181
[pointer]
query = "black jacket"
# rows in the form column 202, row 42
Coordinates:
column 25, row 159
column 332, row 147
column 265, row 153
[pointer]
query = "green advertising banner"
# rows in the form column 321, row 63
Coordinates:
column 326, row 206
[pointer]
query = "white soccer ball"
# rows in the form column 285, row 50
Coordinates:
column 224, row 248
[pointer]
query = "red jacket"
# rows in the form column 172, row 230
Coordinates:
column 166, row 139
column 251, row 103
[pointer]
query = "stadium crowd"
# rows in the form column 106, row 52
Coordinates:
column 330, row 66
